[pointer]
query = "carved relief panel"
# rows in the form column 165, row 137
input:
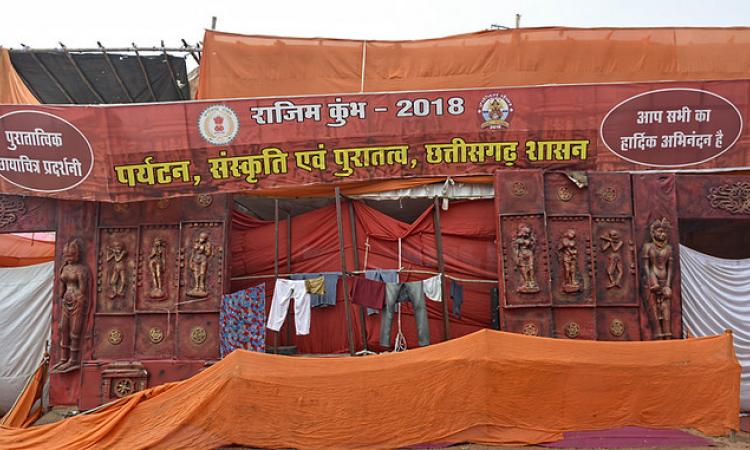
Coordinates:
column 529, row 321
column 575, row 323
column 202, row 263
column 566, row 193
column 198, row 336
column 610, row 194
column 525, row 260
column 617, row 324
column 614, row 247
column 155, row 336
column 570, row 250
column 114, row 337
column 116, row 277
column 520, row 191
column 158, row 268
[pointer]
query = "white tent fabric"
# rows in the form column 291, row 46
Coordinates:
column 449, row 189
column 25, row 321
column 715, row 298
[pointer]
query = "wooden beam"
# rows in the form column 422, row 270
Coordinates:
column 81, row 74
column 362, row 309
column 145, row 73
column 52, row 77
column 276, row 261
column 114, row 73
column 344, row 284
column 171, row 72
column 441, row 268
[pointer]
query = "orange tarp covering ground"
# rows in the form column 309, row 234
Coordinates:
column 12, row 89
column 487, row 387
column 235, row 65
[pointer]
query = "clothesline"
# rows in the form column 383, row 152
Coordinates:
column 360, row 272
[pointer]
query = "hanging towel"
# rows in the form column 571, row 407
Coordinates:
column 384, row 275
column 331, row 282
column 368, row 293
column 316, row 286
column 433, row 288
column 242, row 320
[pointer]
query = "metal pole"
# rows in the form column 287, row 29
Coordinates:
column 276, row 261
column 344, row 284
column 362, row 309
column 441, row 268
column 190, row 50
column 289, row 267
column 114, row 72
column 213, row 22
column 518, row 21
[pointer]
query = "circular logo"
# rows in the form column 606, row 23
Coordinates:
column 608, row 194
column 218, row 124
column 43, row 152
column 496, row 111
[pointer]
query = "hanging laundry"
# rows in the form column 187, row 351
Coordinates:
column 315, row 286
column 331, row 283
column 284, row 291
column 457, row 294
column 395, row 292
column 368, row 293
column 433, row 288
column 384, row 275
column 242, row 320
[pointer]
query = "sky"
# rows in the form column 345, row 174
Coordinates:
column 78, row 23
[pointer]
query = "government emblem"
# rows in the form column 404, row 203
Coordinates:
column 496, row 111
column 218, row 124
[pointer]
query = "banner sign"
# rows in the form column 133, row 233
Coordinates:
column 140, row 152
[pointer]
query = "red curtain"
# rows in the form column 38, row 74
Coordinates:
column 469, row 250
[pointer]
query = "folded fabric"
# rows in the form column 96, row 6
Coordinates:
column 433, row 288
column 457, row 294
column 316, row 286
column 331, row 282
column 368, row 293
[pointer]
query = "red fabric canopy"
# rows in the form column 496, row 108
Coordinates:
column 469, row 250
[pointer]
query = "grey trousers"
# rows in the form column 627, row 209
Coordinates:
column 395, row 292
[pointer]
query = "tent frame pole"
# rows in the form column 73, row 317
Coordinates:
column 289, row 269
column 276, row 261
column 362, row 313
column 441, row 268
column 344, row 284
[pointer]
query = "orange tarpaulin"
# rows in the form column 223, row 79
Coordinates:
column 16, row 251
column 12, row 89
column 23, row 413
column 488, row 387
column 236, row 65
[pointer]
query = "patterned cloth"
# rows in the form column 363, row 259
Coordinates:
column 242, row 320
